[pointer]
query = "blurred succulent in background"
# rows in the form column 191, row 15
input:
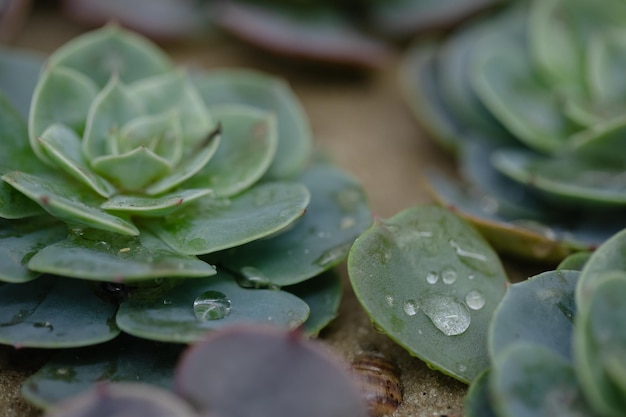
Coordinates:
column 532, row 103
column 557, row 343
column 349, row 32
column 133, row 178
column 283, row 374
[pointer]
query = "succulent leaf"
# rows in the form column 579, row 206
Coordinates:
column 599, row 336
column 68, row 201
column 61, row 96
column 19, row 71
column 20, row 240
column 209, row 225
column 286, row 375
column 247, row 147
column 188, row 311
column 162, row 205
column 477, row 402
column 337, row 214
column 139, row 400
column 549, row 384
column 425, row 274
column 269, row 94
column 111, row 51
column 62, row 146
column 112, row 108
column 54, row 312
column 546, row 303
column 161, row 134
column 124, row 359
column 99, row 255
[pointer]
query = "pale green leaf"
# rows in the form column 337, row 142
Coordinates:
column 210, row 225
column 132, row 171
column 161, row 134
column 162, row 205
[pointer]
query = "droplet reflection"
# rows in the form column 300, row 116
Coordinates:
column 211, row 305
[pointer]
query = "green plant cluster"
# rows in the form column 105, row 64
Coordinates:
column 557, row 342
column 142, row 198
column 531, row 101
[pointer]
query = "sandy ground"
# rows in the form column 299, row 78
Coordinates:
column 363, row 123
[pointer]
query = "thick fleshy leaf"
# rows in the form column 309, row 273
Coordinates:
column 510, row 235
column 598, row 143
column 570, row 180
column 546, row 302
column 132, row 171
column 20, row 240
column 104, row 256
column 337, row 215
column 270, row 94
column 111, row 51
column 162, row 134
column 164, row 20
column 549, row 384
column 553, row 44
column 54, row 312
column 174, row 92
column 189, row 310
column 68, row 201
column 608, row 257
column 248, row 144
column 19, row 71
column 323, row 295
column 508, row 85
column 124, row 359
column 574, row 262
column 210, row 225
column 193, row 161
column 431, row 282
column 285, row 376
column 63, row 146
column 111, row 109
column 477, row 402
column 599, row 336
column 131, row 399
column 605, row 64
column 421, row 79
column 163, row 205
column 62, row 96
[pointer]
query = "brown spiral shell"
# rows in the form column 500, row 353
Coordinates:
column 379, row 381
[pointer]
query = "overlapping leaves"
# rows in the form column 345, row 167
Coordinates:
column 529, row 101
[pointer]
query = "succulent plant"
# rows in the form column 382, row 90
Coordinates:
column 284, row 375
column 428, row 280
column 349, row 32
column 557, row 343
column 531, row 103
column 147, row 199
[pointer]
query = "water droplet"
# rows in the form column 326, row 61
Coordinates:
column 410, row 308
column 167, row 301
column 448, row 314
column 448, row 276
column 62, row 371
column 43, row 325
column 471, row 277
column 466, row 253
column 390, row 301
column 347, row 222
column 253, row 278
column 102, row 245
column 474, row 259
column 462, row 367
column 432, row 278
column 333, row 255
column 211, row 305
column 475, row 300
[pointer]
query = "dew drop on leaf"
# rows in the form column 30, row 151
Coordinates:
column 211, row 305
column 475, row 300
column 432, row 277
column 410, row 308
column 448, row 314
column 253, row 278
column 448, row 276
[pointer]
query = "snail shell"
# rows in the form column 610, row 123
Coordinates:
column 379, row 381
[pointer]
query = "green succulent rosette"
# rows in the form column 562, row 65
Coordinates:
column 531, row 103
column 141, row 197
